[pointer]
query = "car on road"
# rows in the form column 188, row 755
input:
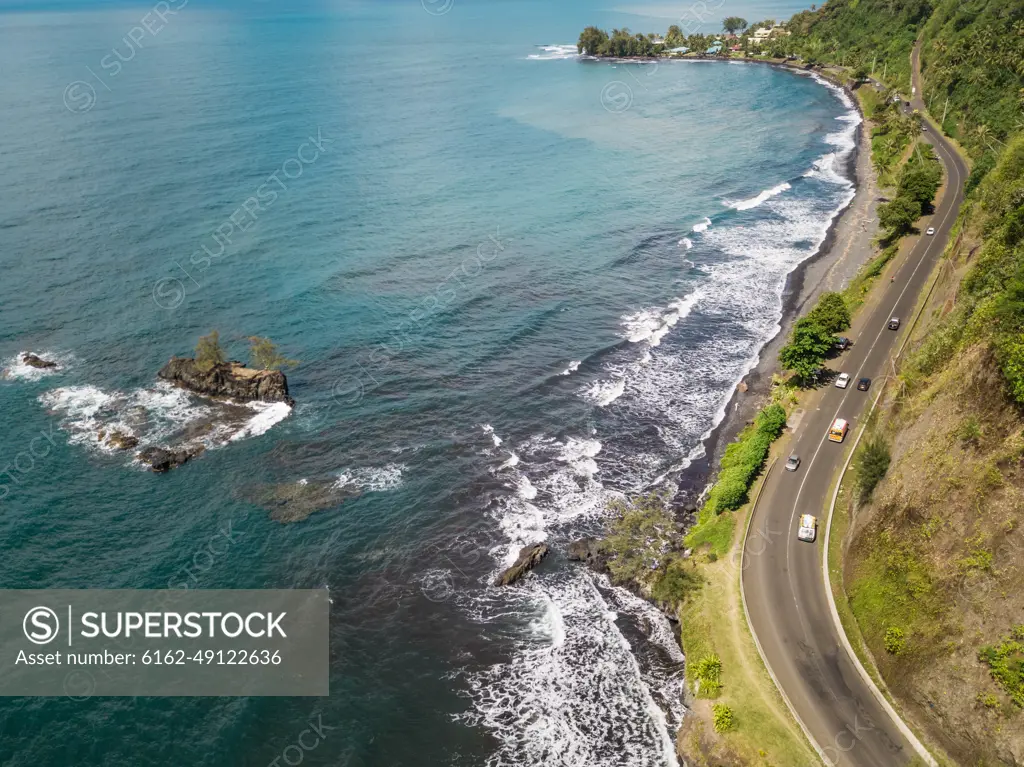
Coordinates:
column 843, row 381
column 808, row 529
column 930, row 231
column 863, row 384
column 894, row 323
column 837, row 432
column 793, row 462
column 843, row 343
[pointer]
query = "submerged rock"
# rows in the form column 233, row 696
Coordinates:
column 529, row 558
column 232, row 380
column 295, row 501
column 119, row 440
column 162, row 459
column 36, row 362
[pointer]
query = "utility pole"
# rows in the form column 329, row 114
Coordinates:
column 944, row 112
column 884, row 70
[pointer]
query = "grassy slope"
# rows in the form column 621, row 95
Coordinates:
column 713, row 622
column 938, row 552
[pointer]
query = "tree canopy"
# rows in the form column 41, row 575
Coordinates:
column 208, row 351
column 734, row 24
column 263, row 354
column 831, row 313
column 806, row 349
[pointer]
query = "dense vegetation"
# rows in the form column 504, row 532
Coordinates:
column 813, row 337
column 917, row 185
column 875, row 36
column 991, row 298
column 621, row 43
column 973, row 66
column 643, row 549
column 744, row 459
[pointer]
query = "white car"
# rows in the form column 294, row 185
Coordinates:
column 843, row 381
column 930, row 231
column 808, row 529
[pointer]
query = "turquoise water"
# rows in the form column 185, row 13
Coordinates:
column 518, row 284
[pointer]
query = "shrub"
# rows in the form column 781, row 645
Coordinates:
column 771, row 421
column 708, row 673
column 969, row 430
column 831, row 313
column 208, row 352
column 675, row 581
column 640, row 534
column 1006, row 664
column 723, row 717
column 895, row 640
column 264, row 355
column 872, row 466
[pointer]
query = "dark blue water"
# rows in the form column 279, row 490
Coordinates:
column 518, row 285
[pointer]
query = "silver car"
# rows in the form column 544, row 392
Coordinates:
column 793, row 462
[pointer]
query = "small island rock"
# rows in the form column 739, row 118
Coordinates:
column 529, row 558
column 122, row 441
column 162, row 459
column 231, row 380
column 35, row 361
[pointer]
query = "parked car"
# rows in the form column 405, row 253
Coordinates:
column 930, row 231
column 843, row 343
column 894, row 323
column 863, row 384
column 843, row 381
column 793, row 462
column 808, row 529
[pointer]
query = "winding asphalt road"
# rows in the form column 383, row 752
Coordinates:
column 782, row 577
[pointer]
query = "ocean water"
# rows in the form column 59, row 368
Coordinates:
column 518, row 284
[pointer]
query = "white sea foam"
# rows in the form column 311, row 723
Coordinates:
column 162, row 415
column 653, row 324
column 604, row 393
column 702, row 226
column 267, row 415
column 525, row 488
column 16, row 369
column 543, row 706
column 554, row 52
column 766, row 195
column 574, row 695
column 511, row 462
column 488, row 429
column 371, row 479
column 640, row 325
column 686, row 243
column 572, row 367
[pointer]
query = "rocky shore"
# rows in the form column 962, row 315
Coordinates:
column 232, row 380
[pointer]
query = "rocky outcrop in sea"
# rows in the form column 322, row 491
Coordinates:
column 232, row 380
column 529, row 558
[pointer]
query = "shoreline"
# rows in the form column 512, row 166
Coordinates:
column 847, row 246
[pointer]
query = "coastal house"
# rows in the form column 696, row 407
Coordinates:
column 680, row 49
column 763, row 34
column 715, row 48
